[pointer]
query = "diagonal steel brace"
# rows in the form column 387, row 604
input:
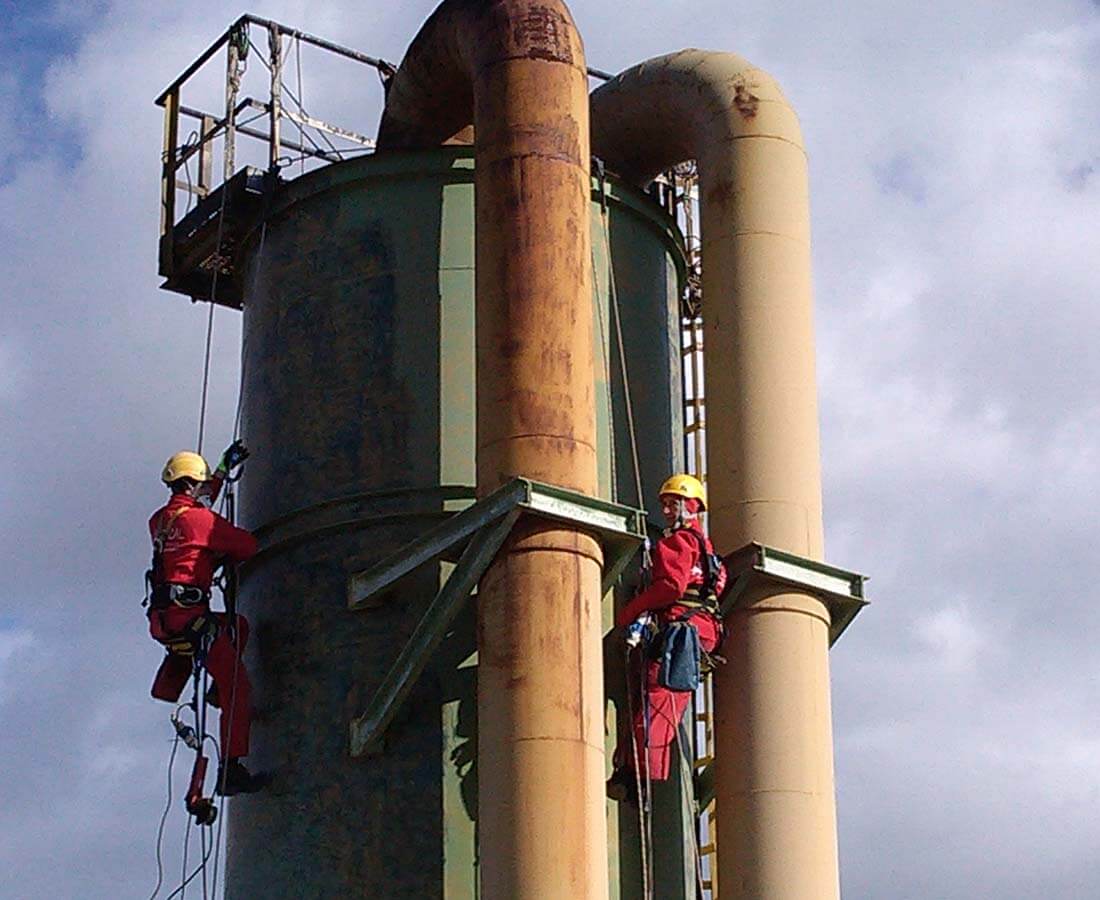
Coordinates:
column 485, row 525
column 368, row 729
column 362, row 586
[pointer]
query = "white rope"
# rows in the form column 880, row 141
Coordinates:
column 644, row 832
column 244, row 357
column 301, row 93
column 687, row 795
column 605, row 357
column 617, row 313
column 163, row 819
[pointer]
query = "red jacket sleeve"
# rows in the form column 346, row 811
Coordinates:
column 673, row 559
column 228, row 540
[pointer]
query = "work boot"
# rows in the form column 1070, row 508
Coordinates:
column 622, row 786
column 234, row 778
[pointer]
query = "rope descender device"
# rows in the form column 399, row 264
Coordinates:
column 203, row 809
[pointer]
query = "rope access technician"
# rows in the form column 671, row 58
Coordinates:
column 189, row 542
column 679, row 610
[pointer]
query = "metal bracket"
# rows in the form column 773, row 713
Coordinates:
column 482, row 528
column 840, row 590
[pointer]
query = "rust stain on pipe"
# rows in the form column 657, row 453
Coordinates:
column 515, row 71
column 745, row 101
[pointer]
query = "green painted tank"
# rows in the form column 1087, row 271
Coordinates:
column 358, row 403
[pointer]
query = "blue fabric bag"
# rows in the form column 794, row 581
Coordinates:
column 679, row 659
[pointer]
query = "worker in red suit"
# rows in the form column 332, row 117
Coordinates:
column 189, row 542
column 686, row 581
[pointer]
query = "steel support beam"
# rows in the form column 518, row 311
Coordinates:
column 363, row 586
column 484, row 527
column 756, row 565
column 368, row 730
column 839, row 589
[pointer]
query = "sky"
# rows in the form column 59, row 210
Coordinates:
column 955, row 178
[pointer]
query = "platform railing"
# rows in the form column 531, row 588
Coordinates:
column 278, row 106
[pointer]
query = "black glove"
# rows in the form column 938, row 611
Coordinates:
column 235, row 454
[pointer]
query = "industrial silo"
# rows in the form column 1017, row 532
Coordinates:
column 426, row 324
column 359, row 401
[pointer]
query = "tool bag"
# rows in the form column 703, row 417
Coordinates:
column 680, row 655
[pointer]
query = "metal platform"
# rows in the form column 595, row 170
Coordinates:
column 480, row 531
column 840, row 590
column 206, row 240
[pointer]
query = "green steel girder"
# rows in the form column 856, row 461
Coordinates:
column 482, row 529
column 840, row 590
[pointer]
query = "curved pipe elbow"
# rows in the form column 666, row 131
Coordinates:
column 515, row 70
column 441, row 86
column 687, row 105
column 732, row 118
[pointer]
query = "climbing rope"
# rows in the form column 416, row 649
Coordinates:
column 605, row 358
column 163, row 819
column 223, row 760
column 210, row 318
column 643, row 783
column 185, row 878
column 301, row 93
column 198, row 702
column 181, row 891
column 230, row 508
column 648, row 811
column 244, row 356
column 642, row 831
column 231, row 102
column 616, row 313
column 687, row 795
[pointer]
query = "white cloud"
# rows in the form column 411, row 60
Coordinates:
column 11, row 371
column 14, row 644
column 956, row 229
column 952, row 635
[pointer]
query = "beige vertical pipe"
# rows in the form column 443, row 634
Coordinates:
column 775, row 792
column 519, row 67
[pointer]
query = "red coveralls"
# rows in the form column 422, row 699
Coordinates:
column 677, row 566
column 195, row 540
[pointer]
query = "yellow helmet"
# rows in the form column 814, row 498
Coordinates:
column 687, row 486
column 185, row 464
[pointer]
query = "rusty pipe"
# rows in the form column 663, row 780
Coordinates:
column 515, row 70
column 775, row 794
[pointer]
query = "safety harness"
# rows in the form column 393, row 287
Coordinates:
column 192, row 642
column 703, row 598
column 682, row 661
column 160, row 594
